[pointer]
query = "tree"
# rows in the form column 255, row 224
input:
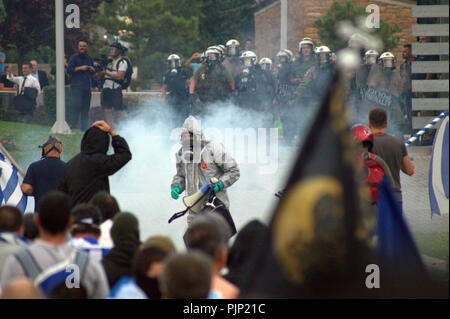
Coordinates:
column 223, row 20
column 2, row 12
column 30, row 25
column 154, row 29
column 348, row 11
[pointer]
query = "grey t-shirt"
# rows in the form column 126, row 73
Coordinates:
column 47, row 255
column 391, row 150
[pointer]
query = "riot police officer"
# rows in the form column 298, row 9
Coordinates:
column 306, row 60
column 284, row 97
column 232, row 62
column 387, row 84
column 316, row 81
column 248, row 83
column 268, row 85
column 176, row 83
column 211, row 82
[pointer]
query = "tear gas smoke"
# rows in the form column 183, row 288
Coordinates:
column 143, row 185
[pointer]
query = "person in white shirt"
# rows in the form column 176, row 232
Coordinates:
column 109, row 207
column 25, row 101
column 86, row 231
column 111, row 98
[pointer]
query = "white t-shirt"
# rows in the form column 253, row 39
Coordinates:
column 114, row 67
column 31, row 82
column 105, row 238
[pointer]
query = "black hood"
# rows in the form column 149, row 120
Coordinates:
column 95, row 141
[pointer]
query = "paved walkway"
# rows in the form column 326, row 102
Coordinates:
column 416, row 203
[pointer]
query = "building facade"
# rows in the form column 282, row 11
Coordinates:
column 301, row 15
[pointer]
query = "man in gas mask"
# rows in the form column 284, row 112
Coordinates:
column 386, row 83
column 284, row 97
column 211, row 82
column 268, row 89
column 176, row 83
column 81, row 69
column 249, row 83
column 199, row 160
column 111, row 98
column 232, row 62
column 43, row 176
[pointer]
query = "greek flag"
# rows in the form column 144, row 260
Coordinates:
column 10, row 181
column 438, row 178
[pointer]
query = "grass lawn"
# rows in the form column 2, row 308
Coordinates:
column 28, row 137
column 433, row 244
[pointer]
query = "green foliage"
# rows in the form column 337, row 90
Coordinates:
column 2, row 12
column 157, row 29
column 223, row 20
column 348, row 11
column 11, row 52
column 50, row 101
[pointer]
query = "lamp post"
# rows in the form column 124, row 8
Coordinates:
column 60, row 126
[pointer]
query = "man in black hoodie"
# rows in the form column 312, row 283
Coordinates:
column 87, row 173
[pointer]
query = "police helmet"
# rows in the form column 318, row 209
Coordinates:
column 283, row 56
column 291, row 55
column 233, row 47
column 173, row 61
column 324, row 54
column 387, row 60
column 248, row 58
column 212, row 55
column 218, row 48
column 371, row 57
column 265, row 63
column 306, row 42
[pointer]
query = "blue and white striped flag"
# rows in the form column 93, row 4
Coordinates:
column 10, row 182
column 438, row 178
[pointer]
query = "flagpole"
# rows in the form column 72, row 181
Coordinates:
column 426, row 128
column 11, row 159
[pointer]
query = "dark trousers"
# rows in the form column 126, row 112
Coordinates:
column 81, row 103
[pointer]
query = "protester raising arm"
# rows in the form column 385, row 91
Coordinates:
column 122, row 155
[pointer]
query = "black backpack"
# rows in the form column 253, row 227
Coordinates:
column 126, row 80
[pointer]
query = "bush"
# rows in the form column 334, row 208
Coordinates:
column 50, row 101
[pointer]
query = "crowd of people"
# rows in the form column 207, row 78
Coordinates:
column 35, row 254
column 79, row 225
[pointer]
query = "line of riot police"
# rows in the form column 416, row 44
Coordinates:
column 289, row 92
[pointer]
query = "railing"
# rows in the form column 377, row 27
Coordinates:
column 438, row 103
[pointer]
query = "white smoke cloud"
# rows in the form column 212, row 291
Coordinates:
column 143, row 185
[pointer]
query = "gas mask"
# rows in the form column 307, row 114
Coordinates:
column 187, row 147
column 212, row 60
column 50, row 141
column 388, row 63
column 248, row 63
column 173, row 66
column 265, row 66
column 371, row 59
column 232, row 50
column 324, row 58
